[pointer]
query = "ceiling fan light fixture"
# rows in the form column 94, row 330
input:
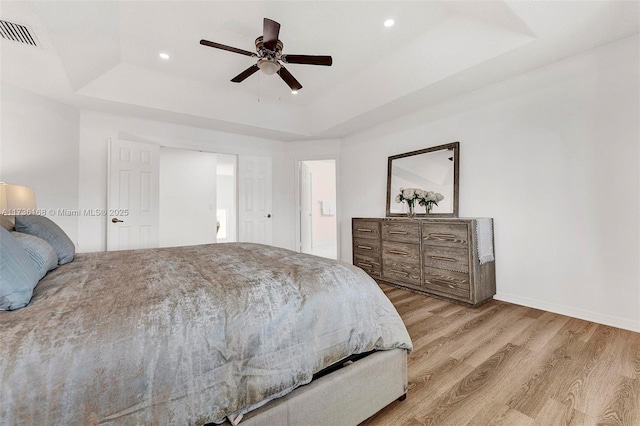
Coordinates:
column 294, row 92
column 268, row 66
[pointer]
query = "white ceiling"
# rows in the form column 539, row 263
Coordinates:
column 103, row 55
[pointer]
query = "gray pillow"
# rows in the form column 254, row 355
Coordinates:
column 40, row 251
column 18, row 273
column 46, row 229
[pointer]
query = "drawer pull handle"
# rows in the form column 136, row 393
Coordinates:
column 395, row 271
column 364, row 230
column 399, row 232
column 402, row 253
column 365, row 247
column 442, row 236
column 442, row 282
column 446, row 259
column 366, row 265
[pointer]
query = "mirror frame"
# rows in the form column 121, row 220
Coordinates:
column 455, row 146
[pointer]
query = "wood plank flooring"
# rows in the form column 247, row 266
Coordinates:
column 504, row 364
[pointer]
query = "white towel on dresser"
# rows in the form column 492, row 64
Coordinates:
column 484, row 237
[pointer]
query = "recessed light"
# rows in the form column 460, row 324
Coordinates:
column 294, row 92
column 164, row 55
column 389, row 23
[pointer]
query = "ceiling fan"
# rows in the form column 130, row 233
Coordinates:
column 270, row 56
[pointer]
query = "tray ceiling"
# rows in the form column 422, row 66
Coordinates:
column 104, row 56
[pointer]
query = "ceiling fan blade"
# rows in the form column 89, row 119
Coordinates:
column 227, row 48
column 244, row 74
column 307, row 59
column 289, row 79
column 270, row 33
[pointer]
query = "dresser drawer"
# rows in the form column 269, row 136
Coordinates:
column 366, row 247
column 370, row 265
column 363, row 228
column 401, row 252
column 401, row 262
column 449, row 258
column 397, row 271
column 445, row 234
column 396, row 230
column 447, row 283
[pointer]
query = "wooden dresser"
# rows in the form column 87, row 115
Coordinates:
column 438, row 257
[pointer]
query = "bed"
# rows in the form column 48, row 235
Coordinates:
column 198, row 335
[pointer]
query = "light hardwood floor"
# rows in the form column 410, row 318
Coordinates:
column 505, row 364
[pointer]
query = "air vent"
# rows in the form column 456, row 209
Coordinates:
column 16, row 32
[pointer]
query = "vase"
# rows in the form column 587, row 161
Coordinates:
column 411, row 212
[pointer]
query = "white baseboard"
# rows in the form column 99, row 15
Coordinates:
column 583, row 314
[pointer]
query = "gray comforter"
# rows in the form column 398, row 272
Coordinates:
column 183, row 335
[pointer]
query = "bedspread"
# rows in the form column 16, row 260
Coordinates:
column 183, row 335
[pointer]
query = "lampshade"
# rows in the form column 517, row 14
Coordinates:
column 268, row 66
column 15, row 199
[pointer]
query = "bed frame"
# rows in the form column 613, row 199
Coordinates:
column 347, row 396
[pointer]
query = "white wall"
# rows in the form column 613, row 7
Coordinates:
column 39, row 148
column 553, row 156
column 97, row 128
column 187, row 197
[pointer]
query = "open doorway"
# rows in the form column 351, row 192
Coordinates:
column 318, row 224
column 187, row 197
column 197, row 197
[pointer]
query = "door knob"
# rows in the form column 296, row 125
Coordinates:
column 116, row 220
column 269, row 216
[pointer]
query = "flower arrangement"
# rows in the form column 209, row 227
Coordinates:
column 424, row 198
column 430, row 198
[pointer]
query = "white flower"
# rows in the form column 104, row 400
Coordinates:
column 409, row 193
column 424, row 198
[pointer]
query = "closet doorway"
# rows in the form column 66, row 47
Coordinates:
column 169, row 196
column 197, row 197
column 226, row 196
column 317, row 208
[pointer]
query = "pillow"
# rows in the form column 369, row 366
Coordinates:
column 40, row 251
column 18, row 273
column 46, row 229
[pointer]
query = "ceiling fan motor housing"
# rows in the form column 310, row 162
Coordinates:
column 266, row 53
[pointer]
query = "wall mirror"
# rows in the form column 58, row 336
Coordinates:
column 433, row 169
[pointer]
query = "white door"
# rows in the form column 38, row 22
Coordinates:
column 132, row 213
column 254, row 204
column 306, row 212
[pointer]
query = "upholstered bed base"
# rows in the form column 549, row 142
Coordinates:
column 344, row 397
